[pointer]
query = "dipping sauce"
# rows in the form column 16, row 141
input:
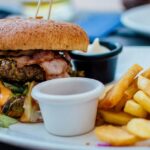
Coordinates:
column 94, row 48
column 97, row 48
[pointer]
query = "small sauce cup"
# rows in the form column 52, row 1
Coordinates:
column 68, row 105
column 101, row 66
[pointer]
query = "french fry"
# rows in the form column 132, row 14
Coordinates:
column 139, row 127
column 146, row 73
column 107, row 89
column 99, row 120
column 103, row 102
column 117, row 92
column 115, row 136
column 144, row 85
column 105, row 94
column 121, row 104
column 133, row 108
column 132, row 89
column 116, row 118
column 128, row 94
column 141, row 98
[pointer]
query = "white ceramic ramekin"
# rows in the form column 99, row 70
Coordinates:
column 68, row 105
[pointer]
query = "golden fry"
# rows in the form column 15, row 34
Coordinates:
column 105, row 94
column 107, row 89
column 146, row 73
column 133, row 88
column 115, row 136
column 119, row 107
column 105, row 103
column 140, row 128
column 133, row 108
column 99, row 120
column 117, row 118
column 141, row 98
column 128, row 94
column 117, row 92
column 144, row 85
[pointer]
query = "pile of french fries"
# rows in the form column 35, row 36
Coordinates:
column 124, row 110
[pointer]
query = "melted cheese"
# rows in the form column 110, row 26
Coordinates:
column 5, row 94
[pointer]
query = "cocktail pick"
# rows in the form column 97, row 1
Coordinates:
column 50, row 8
column 38, row 8
column 49, row 11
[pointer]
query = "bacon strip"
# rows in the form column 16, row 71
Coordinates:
column 55, row 67
column 37, row 58
column 52, row 63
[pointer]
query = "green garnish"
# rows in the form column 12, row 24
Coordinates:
column 15, row 88
column 6, row 121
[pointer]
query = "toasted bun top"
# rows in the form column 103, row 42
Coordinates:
column 32, row 34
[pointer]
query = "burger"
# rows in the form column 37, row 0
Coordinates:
column 32, row 51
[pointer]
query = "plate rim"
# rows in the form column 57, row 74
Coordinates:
column 21, row 142
column 56, row 146
column 131, row 24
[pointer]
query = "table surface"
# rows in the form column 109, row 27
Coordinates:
column 127, row 38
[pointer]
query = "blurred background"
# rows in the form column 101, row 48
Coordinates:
column 62, row 9
column 99, row 18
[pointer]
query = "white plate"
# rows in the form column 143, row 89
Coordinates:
column 35, row 135
column 138, row 19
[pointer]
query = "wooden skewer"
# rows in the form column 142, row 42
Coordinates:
column 50, row 8
column 38, row 8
